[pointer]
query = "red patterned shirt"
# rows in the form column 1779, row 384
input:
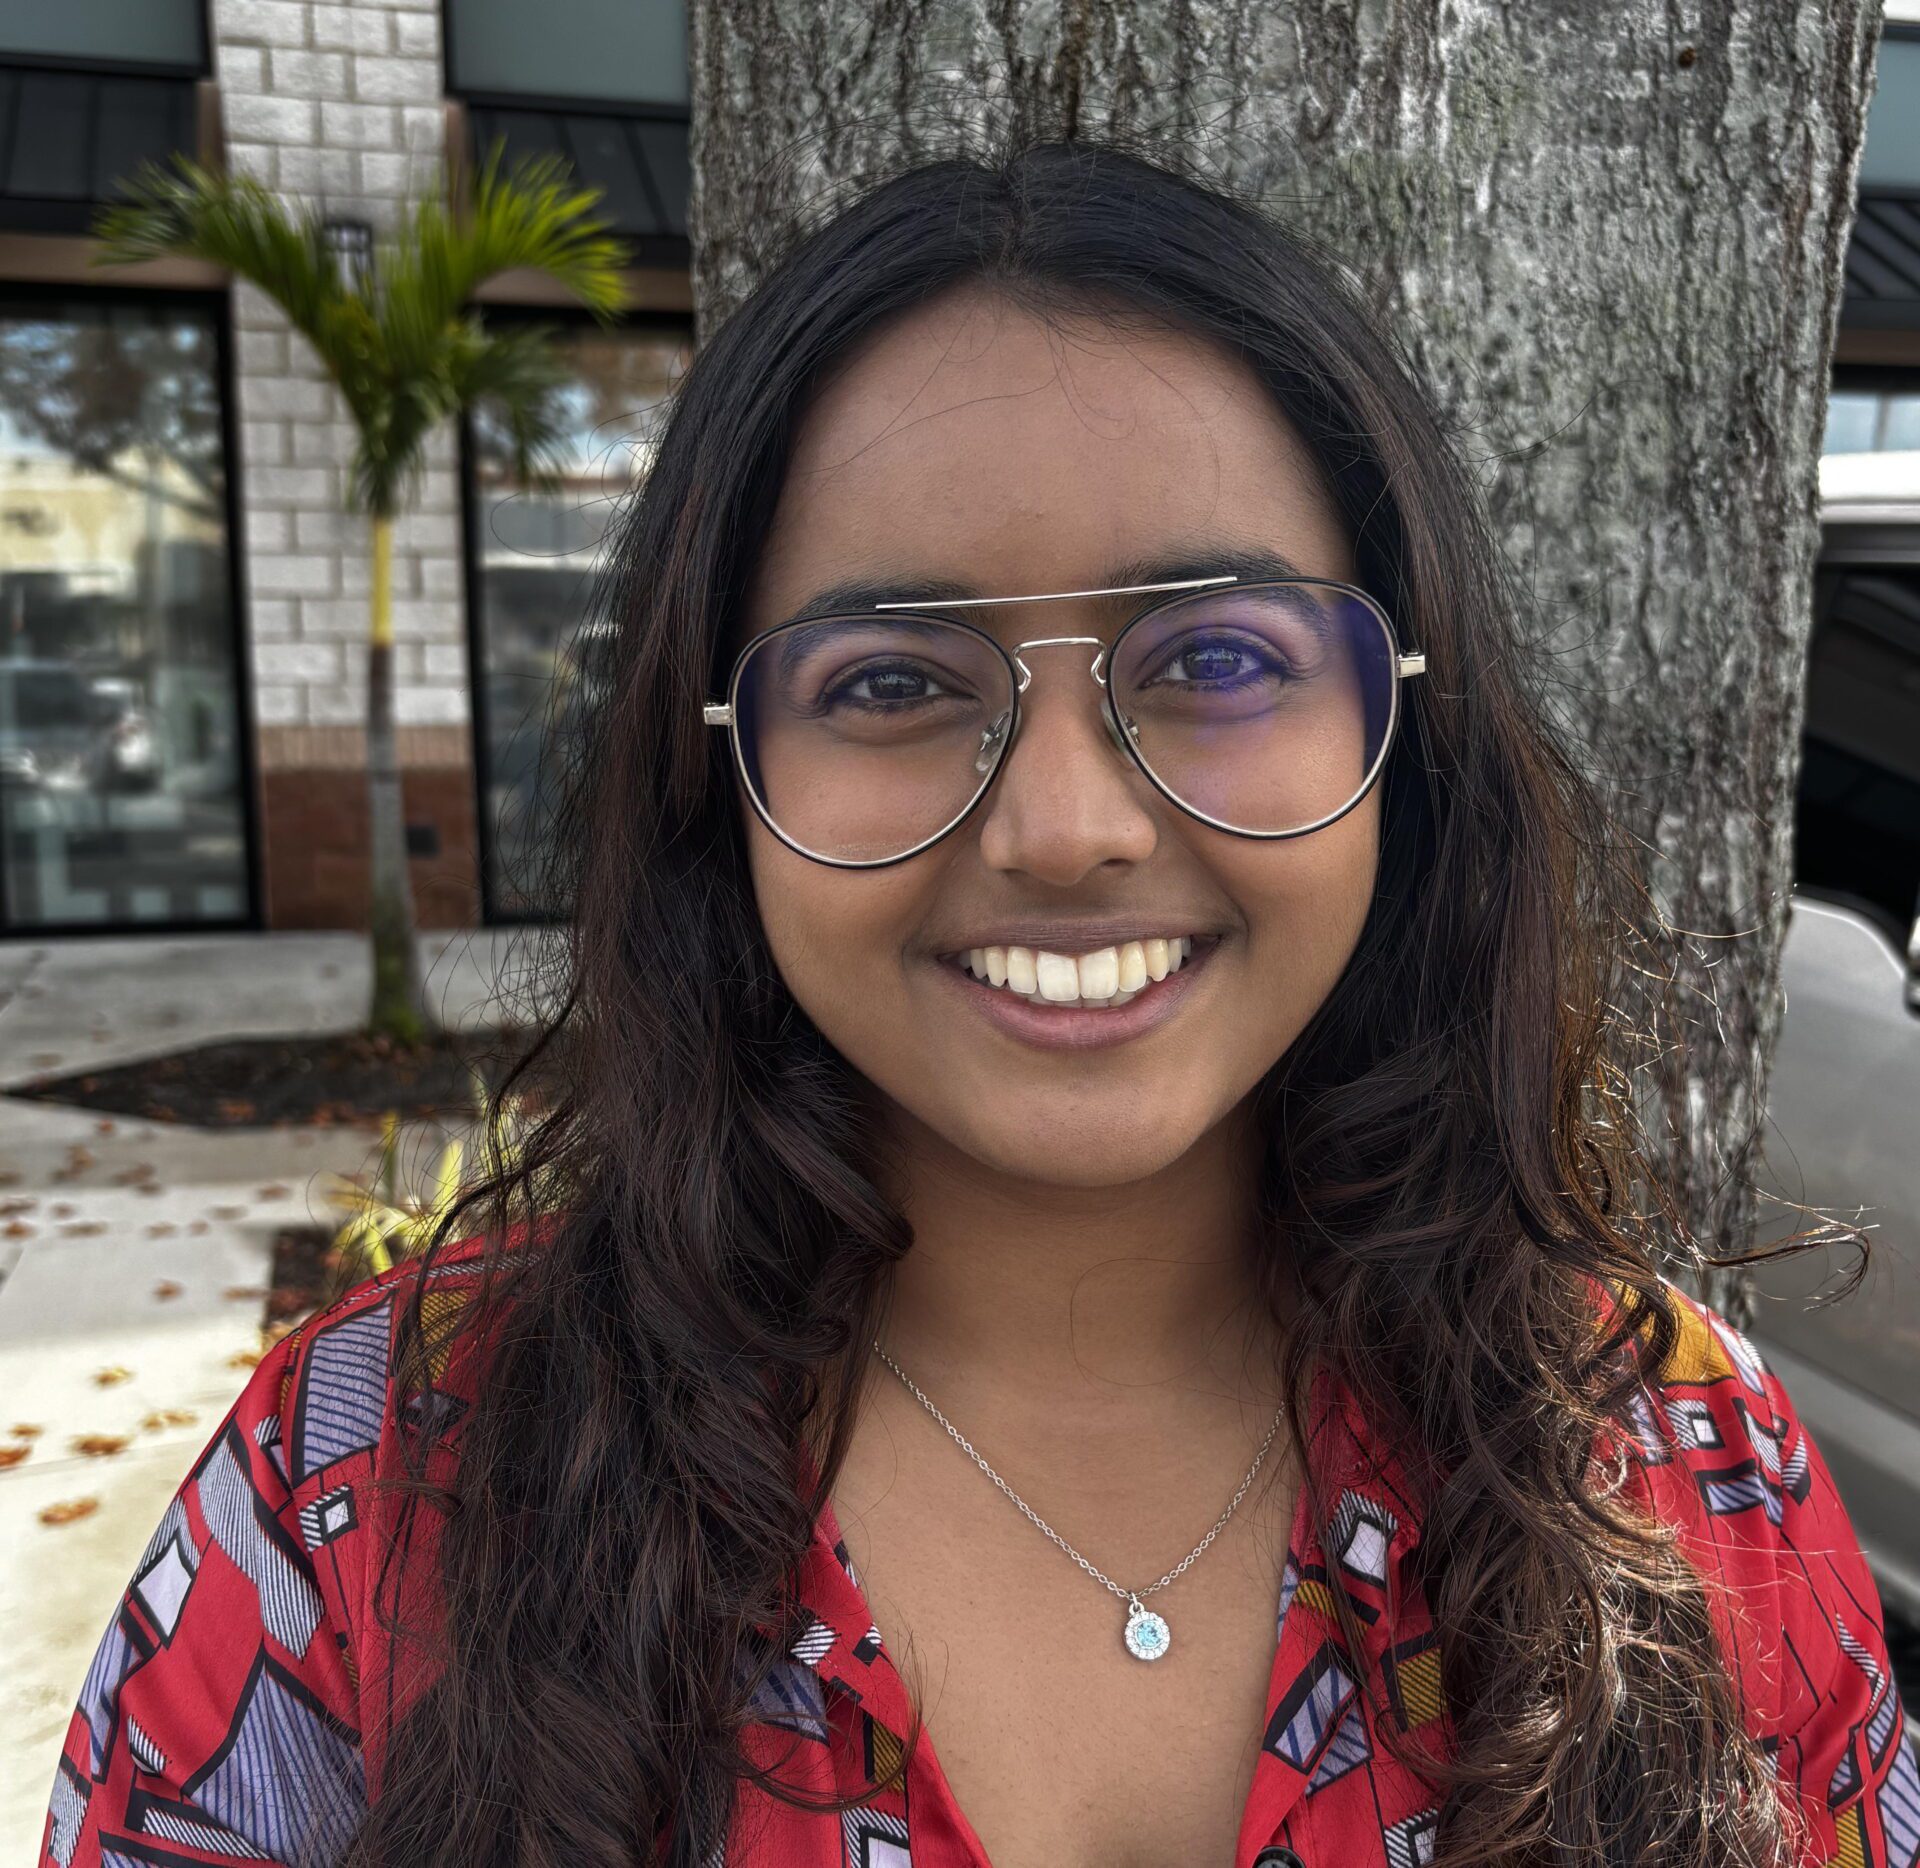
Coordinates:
column 222, row 1719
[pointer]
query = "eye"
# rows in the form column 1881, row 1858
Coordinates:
column 895, row 683
column 1218, row 660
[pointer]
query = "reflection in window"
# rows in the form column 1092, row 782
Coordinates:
column 120, row 772
column 536, row 557
column 1868, row 421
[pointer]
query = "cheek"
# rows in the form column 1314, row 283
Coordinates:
column 836, row 935
column 1305, row 903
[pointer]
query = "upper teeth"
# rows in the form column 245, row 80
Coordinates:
column 1109, row 976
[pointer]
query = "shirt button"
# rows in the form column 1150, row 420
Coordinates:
column 1278, row 1858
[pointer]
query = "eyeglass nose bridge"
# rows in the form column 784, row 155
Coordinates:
column 1095, row 668
column 990, row 745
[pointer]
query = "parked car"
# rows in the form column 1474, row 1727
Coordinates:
column 61, row 732
column 1844, row 1106
column 1844, row 1128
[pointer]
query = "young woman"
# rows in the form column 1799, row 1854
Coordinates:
column 1087, row 1208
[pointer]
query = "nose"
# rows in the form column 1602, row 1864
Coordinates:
column 1067, row 800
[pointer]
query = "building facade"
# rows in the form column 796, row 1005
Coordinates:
column 183, row 594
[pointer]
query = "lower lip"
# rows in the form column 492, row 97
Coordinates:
column 1078, row 1027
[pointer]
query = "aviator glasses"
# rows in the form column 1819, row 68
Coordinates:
column 1264, row 708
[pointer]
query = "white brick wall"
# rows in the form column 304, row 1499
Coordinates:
column 335, row 106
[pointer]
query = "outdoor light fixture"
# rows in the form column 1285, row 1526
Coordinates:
column 351, row 244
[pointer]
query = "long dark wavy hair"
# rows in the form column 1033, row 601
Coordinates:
column 1453, row 1183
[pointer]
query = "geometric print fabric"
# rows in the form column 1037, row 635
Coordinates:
column 232, row 1710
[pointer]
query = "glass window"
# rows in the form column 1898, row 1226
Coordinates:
column 111, row 32
column 1868, row 421
column 120, row 767
column 1853, row 419
column 536, row 554
column 1890, row 157
column 618, row 51
column 1857, row 831
column 1901, row 430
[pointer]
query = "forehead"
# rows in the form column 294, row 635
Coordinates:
column 976, row 441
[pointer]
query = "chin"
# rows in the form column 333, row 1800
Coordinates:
column 1104, row 1149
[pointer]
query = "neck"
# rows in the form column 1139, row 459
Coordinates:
column 1098, row 1315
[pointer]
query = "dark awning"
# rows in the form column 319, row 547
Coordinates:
column 67, row 138
column 640, row 165
column 1883, row 264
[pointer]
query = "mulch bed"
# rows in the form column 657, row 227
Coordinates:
column 317, row 1082
column 307, row 1273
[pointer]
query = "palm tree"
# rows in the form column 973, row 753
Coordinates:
column 406, row 348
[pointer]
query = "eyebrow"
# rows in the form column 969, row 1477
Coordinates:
column 1249, row 563
column 800, row 642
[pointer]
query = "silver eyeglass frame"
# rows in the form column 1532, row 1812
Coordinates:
column 723, row 713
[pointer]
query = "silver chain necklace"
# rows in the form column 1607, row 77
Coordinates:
column 1146, row 1634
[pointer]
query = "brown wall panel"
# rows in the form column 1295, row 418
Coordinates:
column 313, row 825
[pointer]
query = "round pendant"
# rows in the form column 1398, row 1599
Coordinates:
column 1148, row 1636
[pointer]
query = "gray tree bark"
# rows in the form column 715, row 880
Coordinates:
column 1610, row 239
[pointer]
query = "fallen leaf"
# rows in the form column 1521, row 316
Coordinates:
column 99, row 1445
column 245, row 1293
column 162, row 1229
column 133, row 1176
column 197, row 1227
column 112, row 1376
column 105, row 1126
column 26, row 1430
column 227, row 1212
column 63, row 1209
column 246, row 1358
column 84, row 1228
column 169, row 1417
column 69, row 1509
column 273, row 1192
column 9, row 1208
column 13, row 1455
column 17, row 1229
column 167, row 1288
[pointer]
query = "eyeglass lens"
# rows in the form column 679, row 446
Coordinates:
column 1264, row 708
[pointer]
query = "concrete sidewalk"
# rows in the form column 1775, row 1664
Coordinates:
column 134, row 1258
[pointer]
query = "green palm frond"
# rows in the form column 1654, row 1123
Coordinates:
column 532, row 216
column 406, row 349
column 517, row 371
column 192, row 212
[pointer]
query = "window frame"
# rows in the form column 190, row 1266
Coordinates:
column 218, row 305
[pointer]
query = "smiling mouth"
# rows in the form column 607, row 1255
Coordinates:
column 1108, row 977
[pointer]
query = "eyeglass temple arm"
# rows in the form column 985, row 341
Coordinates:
column 719, row 713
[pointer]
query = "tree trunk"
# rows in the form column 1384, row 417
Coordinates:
column 1610, row 239
column 398, row 1008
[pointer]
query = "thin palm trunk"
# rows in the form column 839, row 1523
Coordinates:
column 407, row 349
column 399, row 1007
